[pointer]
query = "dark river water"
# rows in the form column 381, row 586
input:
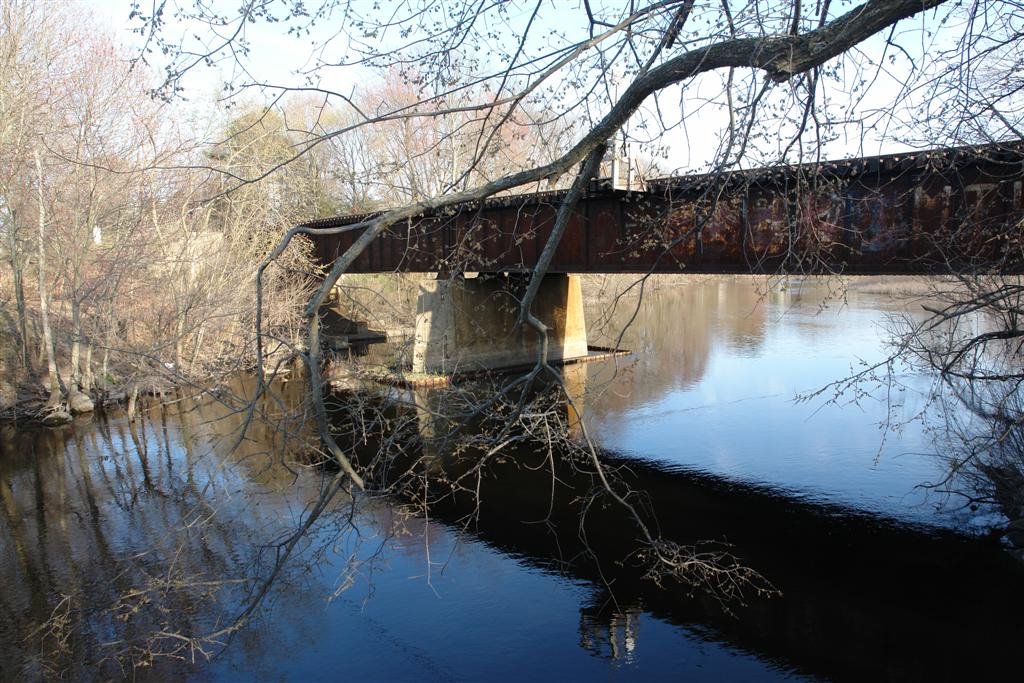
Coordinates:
column 122, row 539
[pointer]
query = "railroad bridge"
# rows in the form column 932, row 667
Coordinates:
column 932, row 212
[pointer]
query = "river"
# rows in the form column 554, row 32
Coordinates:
column 111, row 531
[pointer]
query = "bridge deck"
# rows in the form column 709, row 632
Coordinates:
column 926, row 212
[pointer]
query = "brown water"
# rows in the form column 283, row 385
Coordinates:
column 110, row 532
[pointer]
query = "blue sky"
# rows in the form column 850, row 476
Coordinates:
column 695, row 113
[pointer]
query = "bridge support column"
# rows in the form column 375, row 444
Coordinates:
column 469, row 324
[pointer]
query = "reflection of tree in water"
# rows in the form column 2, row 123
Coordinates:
column 131, row 542
column 610, row 632
column 677, row 326
column 94, row 520
column 980, row 437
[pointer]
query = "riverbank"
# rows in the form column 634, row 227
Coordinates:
column 29, row 405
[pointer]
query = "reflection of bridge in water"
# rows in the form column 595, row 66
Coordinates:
column 861, row 597
column 931, row 212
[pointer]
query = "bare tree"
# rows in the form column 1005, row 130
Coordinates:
column 611, row 69
column 449, row 119
column 54, row 401
column 967, row 330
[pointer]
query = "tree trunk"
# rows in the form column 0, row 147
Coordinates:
column 133, row 398
column 87, row 377
column 41, row 351
column 44, row 301
column 195, row 349
column 103, row 371
column 179, row 344
column 19, row 289
column 76, row 344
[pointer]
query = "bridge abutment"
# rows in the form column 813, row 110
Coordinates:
column 469, row 324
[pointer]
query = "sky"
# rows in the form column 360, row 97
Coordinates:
column 695, row 125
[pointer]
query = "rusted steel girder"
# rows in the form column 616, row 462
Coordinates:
column 939, row 211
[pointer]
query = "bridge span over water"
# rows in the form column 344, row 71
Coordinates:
column 908, row 213
column 933, row 212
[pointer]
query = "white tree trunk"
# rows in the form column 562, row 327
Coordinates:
column 87, row 377
column 44, row 300
column 19, row 287
column 76, row 345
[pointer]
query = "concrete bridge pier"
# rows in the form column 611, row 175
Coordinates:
column 466, row 324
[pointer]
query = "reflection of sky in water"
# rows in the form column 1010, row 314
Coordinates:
column 482, row 615
column 737, row 417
